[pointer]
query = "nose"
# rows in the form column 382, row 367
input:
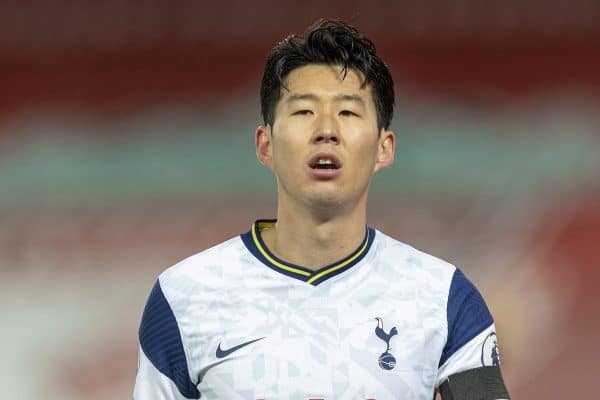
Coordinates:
column 326, row 130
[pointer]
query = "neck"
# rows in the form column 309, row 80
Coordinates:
column 330, row 237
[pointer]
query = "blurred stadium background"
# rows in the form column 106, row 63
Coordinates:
column 126, row 144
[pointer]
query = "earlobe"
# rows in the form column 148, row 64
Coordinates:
column 263, row 145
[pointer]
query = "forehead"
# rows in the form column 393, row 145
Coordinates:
column 325, row 81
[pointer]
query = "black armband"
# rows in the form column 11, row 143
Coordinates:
column 483, row 383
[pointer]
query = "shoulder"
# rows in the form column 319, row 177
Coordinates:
column 166, row 321
column 202, row 268
column 458, row 289
column 408, row 261
column 176, row 283
column 166, row 332
column 456, row 294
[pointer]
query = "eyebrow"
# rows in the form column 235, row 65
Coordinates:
column 339, row 97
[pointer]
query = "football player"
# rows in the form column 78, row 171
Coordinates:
column 316, row 304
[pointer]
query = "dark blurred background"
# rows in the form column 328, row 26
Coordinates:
column 126, row 144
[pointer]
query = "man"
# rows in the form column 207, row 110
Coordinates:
column 316, row 304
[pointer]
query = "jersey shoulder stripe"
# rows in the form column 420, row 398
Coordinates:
column 160, row 340
column 467, row 314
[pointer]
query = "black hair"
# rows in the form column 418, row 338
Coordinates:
column 328, row 42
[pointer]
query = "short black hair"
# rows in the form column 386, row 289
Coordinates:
column 328, row 42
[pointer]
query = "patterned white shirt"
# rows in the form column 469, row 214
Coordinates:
column 236, row 322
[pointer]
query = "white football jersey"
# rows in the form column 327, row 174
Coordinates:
column 236, row 322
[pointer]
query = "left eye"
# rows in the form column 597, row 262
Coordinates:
column 348, row 113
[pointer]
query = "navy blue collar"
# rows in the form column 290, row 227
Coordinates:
column 253, row 241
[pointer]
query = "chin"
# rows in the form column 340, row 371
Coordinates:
column 325, row 200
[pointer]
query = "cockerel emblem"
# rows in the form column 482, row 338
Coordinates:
column 386, row 359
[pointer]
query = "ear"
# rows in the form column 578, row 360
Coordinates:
column 263, row 144
column 386, row 150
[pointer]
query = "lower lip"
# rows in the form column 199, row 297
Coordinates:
column 325, row 173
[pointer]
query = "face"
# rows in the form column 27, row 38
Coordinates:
column 324, row 144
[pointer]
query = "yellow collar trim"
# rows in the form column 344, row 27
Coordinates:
column 266, row 255
column 309, row 276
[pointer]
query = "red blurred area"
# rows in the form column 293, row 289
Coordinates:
column 574, row 248
column 124, row 56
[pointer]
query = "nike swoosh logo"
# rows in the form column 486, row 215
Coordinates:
column 220, row 353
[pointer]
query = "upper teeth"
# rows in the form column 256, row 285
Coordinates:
column 324, row 161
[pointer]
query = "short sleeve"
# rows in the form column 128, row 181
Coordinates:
column 471, row 339
column 163, row 369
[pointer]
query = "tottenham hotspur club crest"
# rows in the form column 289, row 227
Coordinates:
column 386, row 359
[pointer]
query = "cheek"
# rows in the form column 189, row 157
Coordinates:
column 366, row 158
column 367, row 151
column 286, row 154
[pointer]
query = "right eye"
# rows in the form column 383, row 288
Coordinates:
column 302, row 112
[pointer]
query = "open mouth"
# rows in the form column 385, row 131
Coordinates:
column 324, row 162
